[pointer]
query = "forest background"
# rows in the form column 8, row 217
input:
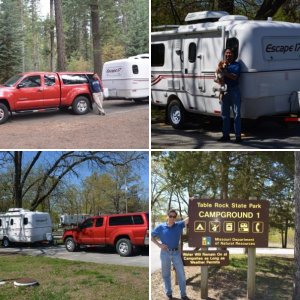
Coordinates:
column 74, row 182
column 175, row 11
column 72, row 35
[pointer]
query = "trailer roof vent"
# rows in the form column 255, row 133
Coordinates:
column 233, row 18
column 204, row 16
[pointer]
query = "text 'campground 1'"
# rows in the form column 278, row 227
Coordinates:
column 219, row 223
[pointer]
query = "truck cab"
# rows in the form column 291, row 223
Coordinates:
column 123, row 231
column 45, row 91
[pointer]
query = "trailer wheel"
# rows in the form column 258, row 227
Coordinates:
column 70, row 244
column 176, row 114
column 4, row 113
column 124, row 247
column 5, row 242
column 81, row 105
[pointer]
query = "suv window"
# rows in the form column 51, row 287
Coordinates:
column 99, row 222
column 49, row 80
column 74, row 78
column 138, row 219
column 87, row 224
column 31, row 81
column 120, row 220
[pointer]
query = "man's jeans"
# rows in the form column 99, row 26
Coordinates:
column 232, row 99
column 167, row 257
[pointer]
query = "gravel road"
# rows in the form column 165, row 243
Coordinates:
column 125, row 126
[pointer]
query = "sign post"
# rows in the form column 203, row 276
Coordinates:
column 222, row 224
column 251, row 273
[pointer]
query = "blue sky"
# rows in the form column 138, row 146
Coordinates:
column 85, row 170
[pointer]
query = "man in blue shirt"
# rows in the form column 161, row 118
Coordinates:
column 97, row 93
column 232, row 97
column 169, row 234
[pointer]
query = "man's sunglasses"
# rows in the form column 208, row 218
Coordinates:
column 172, row 216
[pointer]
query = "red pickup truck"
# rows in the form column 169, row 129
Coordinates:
column 43, row 91
column 123, row 231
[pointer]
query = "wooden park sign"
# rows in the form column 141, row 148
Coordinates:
column 205, row 258
column 219, row 223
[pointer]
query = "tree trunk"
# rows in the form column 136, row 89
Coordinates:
column 22, row 28
column 226, row 5
column 286, row 233
column 61, row 56
column 268, row 9
column 296, row 294
column 17, row 195
column 51, row 35
column 224, row 174
column 96, row 37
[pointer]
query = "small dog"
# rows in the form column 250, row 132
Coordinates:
column 219, row 78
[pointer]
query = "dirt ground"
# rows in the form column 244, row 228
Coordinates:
column 218, row 289
column 119, row 129
column 225, row 285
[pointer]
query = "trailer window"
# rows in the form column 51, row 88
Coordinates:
column 11, row 221
column 192, row 52
column 0, row 222
column 25, row 221
column 233, row 43
column 135, row 69
column 157, row 55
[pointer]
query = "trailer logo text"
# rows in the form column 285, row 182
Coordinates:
column 281, row 48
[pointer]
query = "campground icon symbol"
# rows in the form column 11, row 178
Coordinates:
column 200, row 226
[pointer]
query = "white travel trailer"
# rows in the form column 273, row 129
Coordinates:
column 23, row 226
column 184, row 59
column 127, row 78
column 67, row 220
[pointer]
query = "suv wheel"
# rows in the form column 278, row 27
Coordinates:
column 81, row 105
column 5, row 242
column 124, row 247
column 70, row 244
column 4, row 114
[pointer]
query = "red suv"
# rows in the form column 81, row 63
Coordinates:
column 45, row 91
column 123, row 231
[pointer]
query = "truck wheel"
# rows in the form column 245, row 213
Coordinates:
column 4, row 113
column 81, row 105
column 5, row 242
column 70, row 244
column 124, row 247
column 176, row 114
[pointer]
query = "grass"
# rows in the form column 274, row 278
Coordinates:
column 275, row 238
column 63, row 280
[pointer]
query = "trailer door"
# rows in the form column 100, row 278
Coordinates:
column 192, row 72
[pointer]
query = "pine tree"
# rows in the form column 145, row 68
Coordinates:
column 10, row 39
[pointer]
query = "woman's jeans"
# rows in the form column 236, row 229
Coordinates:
column 167, row 257
column 232, row 99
